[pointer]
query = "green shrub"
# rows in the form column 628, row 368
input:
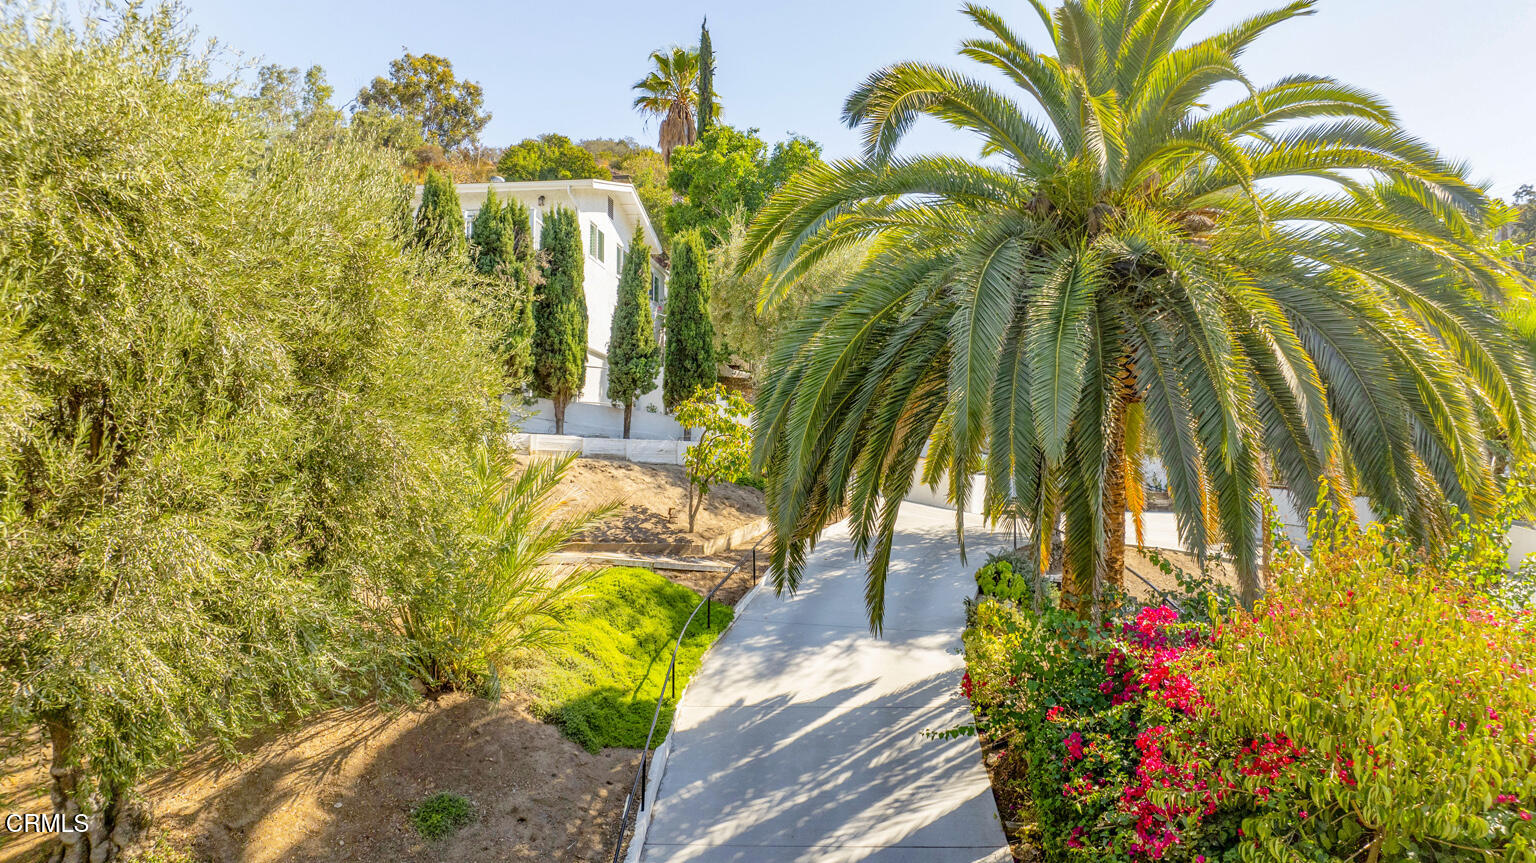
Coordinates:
column 441, row 814
column 1009, row 576
column 601, row 688
column 1412, row 695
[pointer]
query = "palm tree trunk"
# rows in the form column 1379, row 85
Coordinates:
column 1090, row 594
column 1112, row 566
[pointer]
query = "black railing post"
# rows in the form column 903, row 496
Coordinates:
column 754, row 566
column 645, row 775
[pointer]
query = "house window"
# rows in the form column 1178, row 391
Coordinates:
column 610, row 208
column 655, row 287
column 618, row 257
column 595, row 242
column 469, row 221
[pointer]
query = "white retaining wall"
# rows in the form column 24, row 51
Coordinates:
column 585, row 419
column 640, row 451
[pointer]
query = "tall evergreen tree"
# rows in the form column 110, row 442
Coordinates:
column 633, row 355
column 501, row 246
column 706, row 115
column 560, row 316
column 440, row 219
column 690, row 335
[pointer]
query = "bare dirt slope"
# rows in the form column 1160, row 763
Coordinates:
column 340, row 787
column 653, row 501
column 1137, row 563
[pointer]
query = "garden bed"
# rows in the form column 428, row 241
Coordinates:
column 1379, row 705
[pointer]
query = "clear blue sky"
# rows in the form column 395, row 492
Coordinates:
column 1459, row 72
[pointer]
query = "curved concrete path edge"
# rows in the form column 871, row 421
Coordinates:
column 804, row 739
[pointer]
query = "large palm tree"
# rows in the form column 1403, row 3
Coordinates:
column 1285, row 286
column 671, row 91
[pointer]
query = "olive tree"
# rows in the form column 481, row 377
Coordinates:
column 236, row 418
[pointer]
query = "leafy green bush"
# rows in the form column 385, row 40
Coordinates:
column 1410, row 697
column 998, row 580
column 441, row 814
column 1011, row 576
column 601, row 688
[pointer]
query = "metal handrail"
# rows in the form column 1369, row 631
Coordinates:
column 642, row 775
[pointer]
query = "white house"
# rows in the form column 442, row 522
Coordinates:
column 608, row 211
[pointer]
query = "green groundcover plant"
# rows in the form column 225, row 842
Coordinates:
column 441, row 814
column 1379, row 704
column 601, row 689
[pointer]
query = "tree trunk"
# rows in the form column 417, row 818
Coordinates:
column 628, row 409
column 94, row 829
column 1112, row 567
column 695, row 503
column 559, row 414
column 1086, row 593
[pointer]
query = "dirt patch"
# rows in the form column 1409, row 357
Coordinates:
column 730, row 593
column 341, row 786
column 1138, row 564
column 653, row 502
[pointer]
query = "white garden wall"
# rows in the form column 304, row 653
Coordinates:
column 639, row 451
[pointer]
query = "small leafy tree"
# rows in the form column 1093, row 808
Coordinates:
column 560, row 316
column 440, row 219
column 634, row 358
column 724, row 450
column 690, row 361
column 501, row 245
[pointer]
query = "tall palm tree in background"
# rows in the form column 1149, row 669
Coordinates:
column 1120, row 268
column 670, row 91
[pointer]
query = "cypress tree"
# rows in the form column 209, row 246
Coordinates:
column 560, row 316
column 633, row 355
column 439, row 219
column 501, row 247
column 706, row 80
column 690, row 335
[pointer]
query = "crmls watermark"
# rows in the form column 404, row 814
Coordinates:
column 37, row 822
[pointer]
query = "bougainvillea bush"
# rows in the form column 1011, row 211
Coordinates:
column 1379, row 704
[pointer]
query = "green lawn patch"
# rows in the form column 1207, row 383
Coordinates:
column 600, row 688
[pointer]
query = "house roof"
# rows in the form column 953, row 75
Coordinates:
column 625, row 197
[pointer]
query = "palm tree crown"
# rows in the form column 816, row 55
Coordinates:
column 670, row 91
column 1122, row 269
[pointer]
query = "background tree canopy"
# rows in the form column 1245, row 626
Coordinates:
column 729, row 170
column 422, row 88
column 549, row 157
column 239, row 411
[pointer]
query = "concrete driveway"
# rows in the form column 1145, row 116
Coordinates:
column 803, row 736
